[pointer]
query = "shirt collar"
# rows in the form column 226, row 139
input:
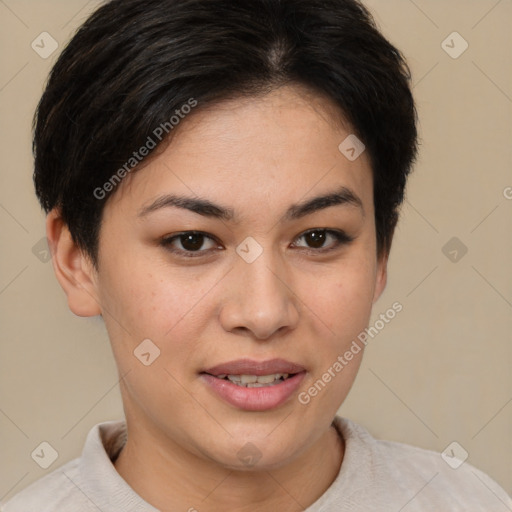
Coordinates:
column 100, row 481
column 104, row 486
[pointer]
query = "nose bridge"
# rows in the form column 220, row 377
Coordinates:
column 260, row 299
column 262, row 273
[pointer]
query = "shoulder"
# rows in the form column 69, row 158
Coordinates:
column 51, row 493
column 83, row 483
column 422, row 476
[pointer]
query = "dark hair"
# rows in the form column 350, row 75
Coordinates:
column 134, row 63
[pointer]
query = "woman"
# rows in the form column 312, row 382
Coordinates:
column 222, row 182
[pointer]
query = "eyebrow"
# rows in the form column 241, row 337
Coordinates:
column 340, row 197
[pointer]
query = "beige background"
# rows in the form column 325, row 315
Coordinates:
column 439, row 372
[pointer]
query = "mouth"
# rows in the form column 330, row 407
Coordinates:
column 250, row 367
column 255, row 381
column 254, row 385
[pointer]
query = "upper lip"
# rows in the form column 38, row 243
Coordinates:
column 251, row 367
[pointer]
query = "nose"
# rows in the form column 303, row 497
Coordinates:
column 261, row 300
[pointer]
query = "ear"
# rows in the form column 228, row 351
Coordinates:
column 72, row 267
column 381, row 277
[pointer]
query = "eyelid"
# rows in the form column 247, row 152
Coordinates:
column 167, row 240
column 341, row 237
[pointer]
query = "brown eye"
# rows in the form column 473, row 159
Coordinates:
column 190, row 241
column 315, row 239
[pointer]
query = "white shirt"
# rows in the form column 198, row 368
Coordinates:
column 375, row 476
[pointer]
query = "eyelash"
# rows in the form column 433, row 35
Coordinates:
column 340, row 236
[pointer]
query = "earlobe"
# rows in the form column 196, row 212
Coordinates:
column 72, row 267
column 381, row 277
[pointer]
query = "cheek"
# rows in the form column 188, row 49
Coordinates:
column 343, row 298
column 151, row 301
column 341, row 304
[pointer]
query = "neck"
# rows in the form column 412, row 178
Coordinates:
column 170, row 478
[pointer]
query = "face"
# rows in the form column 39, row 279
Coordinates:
column 268, row 287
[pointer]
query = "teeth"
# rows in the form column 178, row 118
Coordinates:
column 248, row 379
column 255, row 381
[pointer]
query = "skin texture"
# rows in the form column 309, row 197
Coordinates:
column 257, row 156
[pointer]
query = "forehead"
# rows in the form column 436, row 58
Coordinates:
column 265, row 148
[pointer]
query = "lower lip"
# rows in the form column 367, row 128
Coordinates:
column 254, row 399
